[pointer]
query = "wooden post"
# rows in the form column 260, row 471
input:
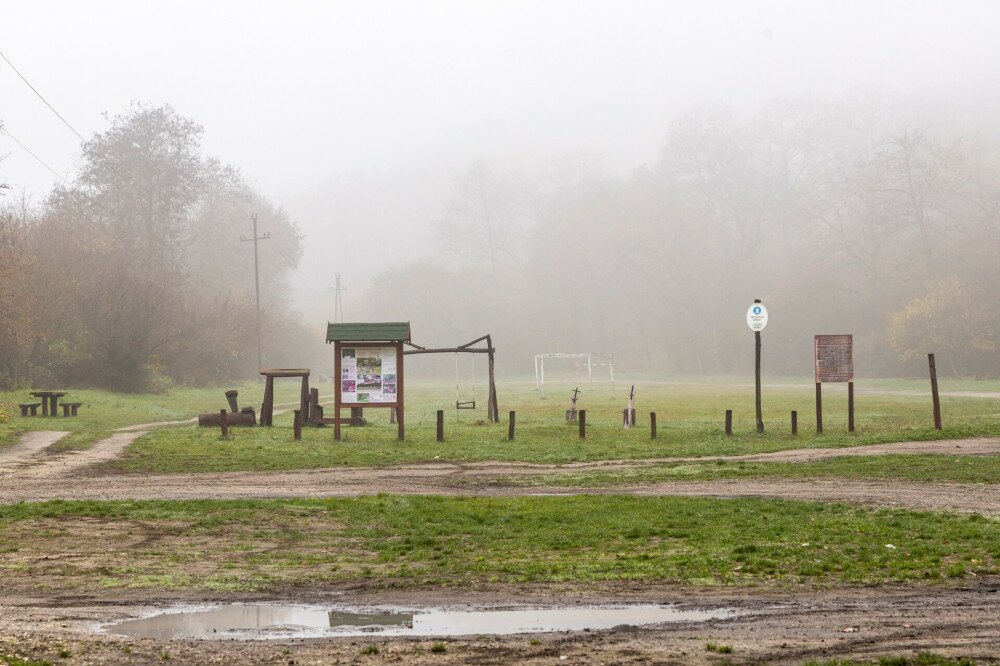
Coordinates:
column 819, row 408
column 491, row 403
column 934, row 392
column 231, row 397
column 850, row 406
column 625, row 417
column 313, row 404
column 757, row 402
column 582, row 418
column 510, row 427
column 304, row 400
column 267, row 409
column 440, row 425
column 795, row 422
column 401, row 410
column 224, row 424
column 297, row 424
column 392, row 415
column 652, row 425
column 336, row 389
column 729, row 422
column 357, row 416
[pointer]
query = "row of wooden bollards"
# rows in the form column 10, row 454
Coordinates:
column 511, row 424
column 795, row 423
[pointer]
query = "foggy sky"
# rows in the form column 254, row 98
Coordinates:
column 356, row 116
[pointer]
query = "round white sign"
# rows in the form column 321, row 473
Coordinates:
column 757, row 317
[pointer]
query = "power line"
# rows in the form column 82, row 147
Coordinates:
column 4, row 130
column 35, row 90
column 64, row 121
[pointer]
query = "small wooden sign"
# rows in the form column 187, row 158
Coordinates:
column 834, row 356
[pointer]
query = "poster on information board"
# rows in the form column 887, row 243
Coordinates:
column 367, row 375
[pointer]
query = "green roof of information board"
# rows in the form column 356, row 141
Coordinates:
column 390, row 331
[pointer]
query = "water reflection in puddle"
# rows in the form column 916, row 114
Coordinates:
column 266, row 621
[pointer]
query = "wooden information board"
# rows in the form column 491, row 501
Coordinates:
column 834, row 356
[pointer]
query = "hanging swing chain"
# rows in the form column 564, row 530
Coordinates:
column 458, row 397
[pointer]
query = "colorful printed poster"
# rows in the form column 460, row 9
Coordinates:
column 368, row 374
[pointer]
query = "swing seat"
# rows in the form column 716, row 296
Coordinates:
column 469, row 404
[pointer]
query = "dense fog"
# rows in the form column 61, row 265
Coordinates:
column 569, row 177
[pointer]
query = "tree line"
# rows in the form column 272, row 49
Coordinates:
column 131, row 277
column 845, row 216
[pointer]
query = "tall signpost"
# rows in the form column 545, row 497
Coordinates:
column 757, row 320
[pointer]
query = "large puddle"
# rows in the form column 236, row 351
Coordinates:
column 267, row 621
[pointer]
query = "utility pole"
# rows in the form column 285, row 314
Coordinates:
column 338, row 303
column 256, row 279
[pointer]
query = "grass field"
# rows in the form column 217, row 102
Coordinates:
column 690, row 421
column 434, row 541
column 103, row 411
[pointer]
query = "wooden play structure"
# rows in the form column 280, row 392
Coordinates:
column 473, row 347
column 267, row 408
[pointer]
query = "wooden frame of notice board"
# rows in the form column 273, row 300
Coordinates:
column 340, row 388
column 833, row 360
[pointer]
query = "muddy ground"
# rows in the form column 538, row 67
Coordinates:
column 781, row 626
column 778, row 627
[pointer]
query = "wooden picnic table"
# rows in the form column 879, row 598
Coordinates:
column 50, row 401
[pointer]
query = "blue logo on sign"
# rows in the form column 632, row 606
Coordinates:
column 756, row 309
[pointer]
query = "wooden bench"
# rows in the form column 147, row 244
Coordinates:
column 69, row 408
column 33, row 406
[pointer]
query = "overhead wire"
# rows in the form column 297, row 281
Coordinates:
column 65, row 122
column 4, row 130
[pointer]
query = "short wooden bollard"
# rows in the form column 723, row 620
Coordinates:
column 850, row 406
column 440, row 425
column 934, row 392
column 224, row 423
column 510, row 427
column 582, row 418
column 652, row 425
column 729, row 422
column 795, row 422
column 297, row 424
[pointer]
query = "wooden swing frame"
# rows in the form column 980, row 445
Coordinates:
column 492, row 411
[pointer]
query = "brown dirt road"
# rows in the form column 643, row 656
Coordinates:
column 80, row 476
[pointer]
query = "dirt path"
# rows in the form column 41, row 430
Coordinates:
column 778, row 626
column 446, row 480
column 33, row 481
column 42, row 469
column 30, row 445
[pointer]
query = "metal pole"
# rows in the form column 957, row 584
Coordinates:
column 611, row 363
column 256, row 287
column 256, row 280
column 590, row 371
column 760, row 416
